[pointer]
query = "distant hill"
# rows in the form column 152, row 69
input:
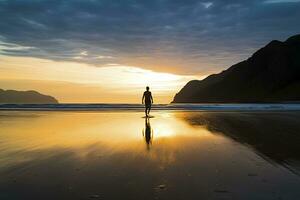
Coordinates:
column 25, row 97
column 272, row 74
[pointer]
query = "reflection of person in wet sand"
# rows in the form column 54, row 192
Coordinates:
column 148, row 100
column 148, row 133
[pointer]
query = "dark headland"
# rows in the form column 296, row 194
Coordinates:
column 272, row 74
column 25, row 97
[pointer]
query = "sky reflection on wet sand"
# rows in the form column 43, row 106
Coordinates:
column 75, row 155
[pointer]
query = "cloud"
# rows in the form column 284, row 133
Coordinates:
column 6, row 47
column 172, row 35
column 281, row 1
column 207, row 4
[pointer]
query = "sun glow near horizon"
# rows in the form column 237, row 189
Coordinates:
column 74, row 82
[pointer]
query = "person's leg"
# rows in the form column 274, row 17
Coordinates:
column 149, row 110
column 146, row 111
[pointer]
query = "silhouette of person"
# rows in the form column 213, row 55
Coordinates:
column 147, row 100
column 148, row 133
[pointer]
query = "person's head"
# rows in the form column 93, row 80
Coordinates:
column 147, row 88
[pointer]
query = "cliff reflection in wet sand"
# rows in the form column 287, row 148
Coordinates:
column 273, row 135
column 176, row 155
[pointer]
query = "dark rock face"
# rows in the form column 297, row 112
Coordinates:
column 25, row 97
column 272, row 74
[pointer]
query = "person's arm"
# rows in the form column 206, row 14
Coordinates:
column 143, row 98
column 151, row 97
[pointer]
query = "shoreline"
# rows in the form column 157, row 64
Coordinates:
column 256, row 107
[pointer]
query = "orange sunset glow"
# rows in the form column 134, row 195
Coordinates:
column 73, row 82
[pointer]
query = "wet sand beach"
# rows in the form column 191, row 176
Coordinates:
column 175, row 155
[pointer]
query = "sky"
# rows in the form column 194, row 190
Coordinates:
column 92, row 51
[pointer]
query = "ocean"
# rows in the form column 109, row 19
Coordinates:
column 137, row 107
